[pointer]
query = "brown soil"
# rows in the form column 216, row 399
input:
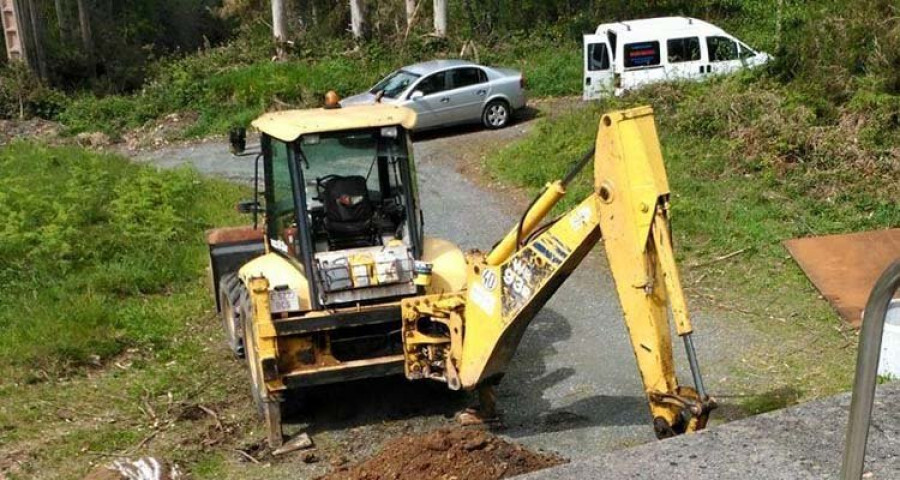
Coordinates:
column 447, row 454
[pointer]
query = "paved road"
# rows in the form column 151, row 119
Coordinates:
column 805, row 442
column 573, row 387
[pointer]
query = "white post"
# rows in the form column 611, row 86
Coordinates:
column 357, row 21
column 440, row 18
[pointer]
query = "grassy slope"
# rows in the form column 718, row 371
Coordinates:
column 104, row 307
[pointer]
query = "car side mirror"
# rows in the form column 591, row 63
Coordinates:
column 237, row 138
column 417, row 95
column 248, row 206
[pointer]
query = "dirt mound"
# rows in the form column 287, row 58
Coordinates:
column 446, row 454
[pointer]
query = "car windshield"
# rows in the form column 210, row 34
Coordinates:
column 395, row 84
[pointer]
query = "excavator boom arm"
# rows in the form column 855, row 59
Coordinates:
column 468, row 338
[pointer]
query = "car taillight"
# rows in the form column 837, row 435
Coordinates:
column 522, row 82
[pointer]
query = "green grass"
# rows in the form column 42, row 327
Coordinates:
column 96, row 255
column 747, row 170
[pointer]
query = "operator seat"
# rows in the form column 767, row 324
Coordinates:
column 349, row 212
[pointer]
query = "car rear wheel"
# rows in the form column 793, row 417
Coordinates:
column 496, row 114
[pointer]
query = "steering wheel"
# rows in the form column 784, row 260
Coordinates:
column 320, row 181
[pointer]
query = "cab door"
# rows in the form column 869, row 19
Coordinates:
column 598, row 71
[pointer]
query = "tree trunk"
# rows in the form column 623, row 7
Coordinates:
column 440, row 18
column 357, row 22
column 14, row 30
column 87, row 38
column 279, row 30
column 37, row 34
column 62, row 22
column 410, row 12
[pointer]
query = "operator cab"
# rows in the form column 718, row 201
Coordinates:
column 342, row 203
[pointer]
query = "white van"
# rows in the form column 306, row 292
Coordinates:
column 625, row 55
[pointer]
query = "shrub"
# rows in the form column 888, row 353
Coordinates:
column 22, row 95
column 95, row 254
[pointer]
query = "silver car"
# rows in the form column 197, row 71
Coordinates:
column 451, row 92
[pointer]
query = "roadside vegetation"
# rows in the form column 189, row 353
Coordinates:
column 104, row 309
column 98, row 256
column 808, row 146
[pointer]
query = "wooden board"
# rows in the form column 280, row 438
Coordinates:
column 845, row 267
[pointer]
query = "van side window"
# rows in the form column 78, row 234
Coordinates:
column 683, row 49
column 598, row 57
column 641, row 54
column 721, row 49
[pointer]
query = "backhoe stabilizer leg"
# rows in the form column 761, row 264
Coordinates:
column 485, row 413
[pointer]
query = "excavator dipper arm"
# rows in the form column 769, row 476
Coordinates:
column 468, row 338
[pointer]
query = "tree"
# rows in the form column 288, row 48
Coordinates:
column 62, row 22
column 278, row 27
column 357, row 20
column 440, row 18
column 87, row 38
column 410, row 12
column 37, row 37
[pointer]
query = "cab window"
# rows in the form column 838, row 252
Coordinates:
column 280, row 199
column 641, row 54
column 433, row 84
column 683, row 49
column 466, row 77
column 721, row 49
column 598, row 57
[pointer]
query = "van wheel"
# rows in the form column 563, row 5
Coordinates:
column 232, row 297
column 496, row 114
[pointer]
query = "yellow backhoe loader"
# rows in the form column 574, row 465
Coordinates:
column 341, row 282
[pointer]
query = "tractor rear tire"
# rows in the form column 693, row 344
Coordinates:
column 233, row 296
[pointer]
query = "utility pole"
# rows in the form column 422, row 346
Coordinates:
column 279, row 30
column 15, row 43
column 440, row 18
